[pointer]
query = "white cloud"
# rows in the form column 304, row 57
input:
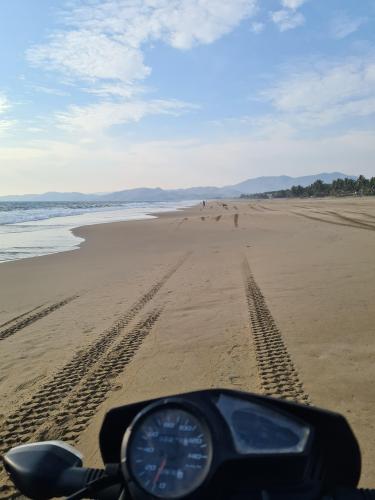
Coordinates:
column 198, row 162
column 292, row 4
column 343, row 26
column 326, row 94
column 103, row 41
column 66, row 166
column 4, row 104
column 119, row 90
column 98, row 117
column 49, row 90
column 102, row 45
column 180, row 23
column 5, row 124
column 257, row 27
column 287, row 19
column 90, row 56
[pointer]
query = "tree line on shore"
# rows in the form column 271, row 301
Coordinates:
column 339, row 187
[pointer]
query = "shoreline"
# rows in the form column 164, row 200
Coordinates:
column 63, row 237
column 185, row 272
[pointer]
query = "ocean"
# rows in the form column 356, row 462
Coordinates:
column 32, row 229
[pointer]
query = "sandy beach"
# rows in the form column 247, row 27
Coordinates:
column 155, row 307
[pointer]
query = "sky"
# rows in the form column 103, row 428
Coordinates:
column 103, row 95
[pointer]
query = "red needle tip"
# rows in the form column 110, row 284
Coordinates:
column 160, row 470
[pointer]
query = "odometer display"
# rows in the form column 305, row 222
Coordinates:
column 169, row 452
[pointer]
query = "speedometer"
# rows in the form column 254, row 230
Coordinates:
column 167, row 451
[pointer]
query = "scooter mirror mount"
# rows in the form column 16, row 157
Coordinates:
column 36, row 468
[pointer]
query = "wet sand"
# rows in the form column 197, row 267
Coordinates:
column 149, row 308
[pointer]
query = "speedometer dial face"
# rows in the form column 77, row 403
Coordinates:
column 169, row 452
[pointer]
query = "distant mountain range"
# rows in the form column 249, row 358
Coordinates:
column 250, row 186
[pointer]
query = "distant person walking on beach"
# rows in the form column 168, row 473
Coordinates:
column 203, row 203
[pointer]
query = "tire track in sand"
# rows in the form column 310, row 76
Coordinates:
column 22, row 424
column 360, row 223
column 27, row 318
column 351, row 222
column 83, row 403
column 75, row 392
column 278, row 375
column 20, row 316
column 267, row 208
column 366, row 214
column 75, row 412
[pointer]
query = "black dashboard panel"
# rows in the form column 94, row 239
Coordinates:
column 250, row 445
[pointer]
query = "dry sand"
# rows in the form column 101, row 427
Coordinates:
column 155, row 307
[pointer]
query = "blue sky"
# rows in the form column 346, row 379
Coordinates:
column 105, row 95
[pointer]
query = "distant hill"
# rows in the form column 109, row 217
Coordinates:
column 263, row 184
column 250, row 186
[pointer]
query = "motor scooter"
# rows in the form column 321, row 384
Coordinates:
column 214, row 444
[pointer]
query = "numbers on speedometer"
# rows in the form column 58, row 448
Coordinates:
column 169, row 452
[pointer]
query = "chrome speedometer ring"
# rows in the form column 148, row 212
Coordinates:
column 167, row 451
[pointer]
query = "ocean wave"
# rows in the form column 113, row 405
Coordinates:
column 15, row 212
column 42, row 228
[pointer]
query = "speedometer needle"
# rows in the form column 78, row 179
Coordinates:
column 159, row 471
